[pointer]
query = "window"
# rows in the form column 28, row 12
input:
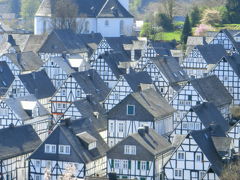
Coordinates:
column 50, row 148
column 178, row 173
column 37, row 177
column 38, row 163
column 130, row 110
column 197, row 126
column 64, row 149
column 117, row 163
column 63, row 92
column 92, row 145
column 189, row 97
column 14, row 91
column 106, row 23
column 116, row 96
column 184, row 125
column 120, row 128
column 48, row 164
column 78, row 94
column 125, row 164
column 191, row 126
column 111, row 127
column 143, row 165
column 198, row 157
column 180, row 156
column 202, row 174
column 130, row 149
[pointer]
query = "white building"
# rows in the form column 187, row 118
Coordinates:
column 108, row 17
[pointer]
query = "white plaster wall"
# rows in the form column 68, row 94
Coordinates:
column 39, row 25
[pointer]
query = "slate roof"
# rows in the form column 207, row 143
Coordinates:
column 234, row 61
column 63, row 64
column 92, row 84
column 26, row 61
column 230, row 37
column 212, row 53
column 204, row 140
column 113, row 60
column 211, row 89
column 34, row 43
column 170, row 68
column 154, row 103
column 6, row 77
column 113, row 9
column 17, row 141
column 87, row 8
column 38, row 83
column 79, row 152
column 135, row 79
column 94, row 111
column 151, row 142
column 17, row 108
column 209, row 114
column 118, row 43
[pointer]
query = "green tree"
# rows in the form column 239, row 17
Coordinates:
column 232, row 13
column 147, row 30
column 195, row 16
column 29, row 8
column 187, row 30
column 164, row 21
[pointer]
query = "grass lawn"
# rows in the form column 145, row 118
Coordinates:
column 168, row 36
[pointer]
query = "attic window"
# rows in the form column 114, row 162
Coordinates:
column 64, row 149
column 181, row 73
column 88, row 140
column 175, row 74
column 131, row 110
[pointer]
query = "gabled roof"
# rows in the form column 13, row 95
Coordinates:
column 6, row 77
column 17, row 141
column 171, row 69
column 38, row 83
column 113, row 9
column 135, row 79
column 211, row 53
column 92, row 84
column 86, row 8
column 118, row 43
column 211, row 89
column 230, row 37
column 209, row 114
column 34, row 43
column 150, row 142
column 154, row 103
column 114, row 59
column 204, row 140
column 67, row 132
column 63, row 64
column 18, row 109
column 94, row 111
column 26, row 61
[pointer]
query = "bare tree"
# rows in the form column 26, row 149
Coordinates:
column 231, row 172
column 169, row 7
column 64, row 17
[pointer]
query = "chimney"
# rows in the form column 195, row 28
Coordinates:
column 146, row 128
column 141, row 131
column 65, row 122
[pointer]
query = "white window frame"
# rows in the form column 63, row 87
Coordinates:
column 130, row 149
column 177, row 174
column 125, row 164
column 63, row 92
column 117, row 163
column 64, row 148
column 51, row 148
column 143, row 165
column 200, row 157
column 121, row 127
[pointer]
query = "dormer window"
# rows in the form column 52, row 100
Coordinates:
column 92, row 145
column 131, row 110
column 88, row 140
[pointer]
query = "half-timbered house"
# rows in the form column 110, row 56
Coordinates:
column 35, row 83
column 199, row 90
column 144, row 108
column 200, row 117
column 16, row 144
column 234, row 132
column 25, row 110
column 195, row 153
column 77, row 86
column 138, row 156
column 76, row 143
column 23, row 62
column 58, row 70
column 130, row 82
column 6, row 78
column 227, row 40
column 88, row 108
column 202, row 58
column 167, row 75
column 227, row 70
